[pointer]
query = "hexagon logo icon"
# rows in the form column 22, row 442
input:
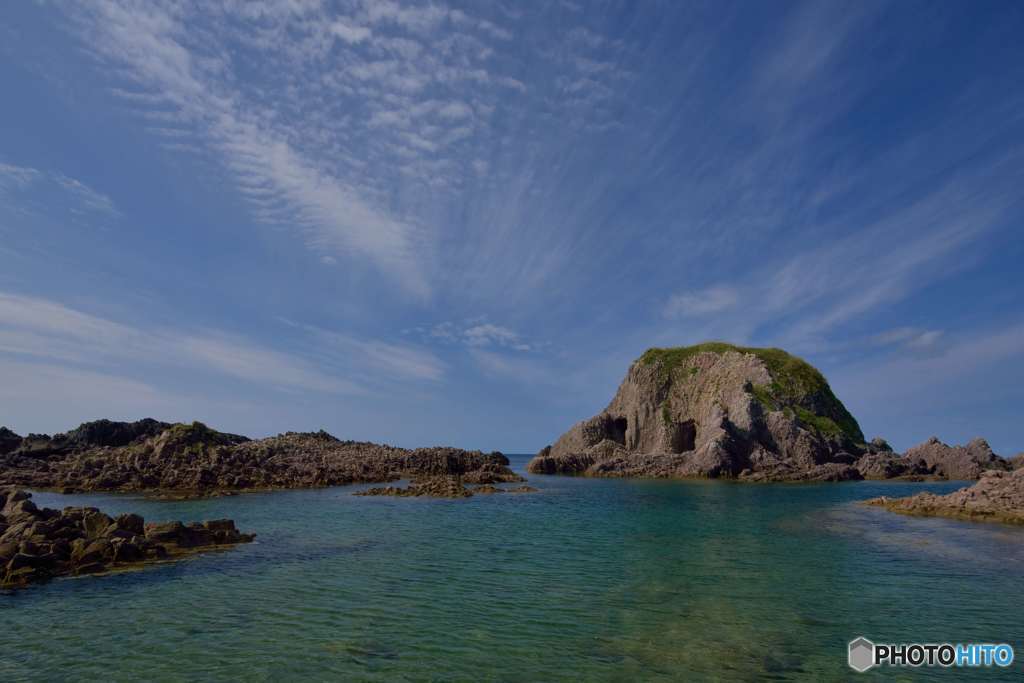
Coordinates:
column 862, row 654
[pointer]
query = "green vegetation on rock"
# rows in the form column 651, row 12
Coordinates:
column 795, row 384
column 762, row 392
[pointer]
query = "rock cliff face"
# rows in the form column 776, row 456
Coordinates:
column 715, row 410
column 194, row 459
column 998, row 497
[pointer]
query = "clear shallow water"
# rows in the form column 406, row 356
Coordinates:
column 586, row 580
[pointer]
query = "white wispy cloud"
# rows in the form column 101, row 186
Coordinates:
column 361, row 126
column 87, row 196
column 29, row 389
column 373, row 358
column 43, row 329
column 477, row 332
column 239, row 358
column 80, row 197
column 921, row 376
column 910, row 337
column 150, row 43
column 520, row 369
column 350, row 33
column 17, row 176
column 702, row 302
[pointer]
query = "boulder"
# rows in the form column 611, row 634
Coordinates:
column 130, row 522
column 165, row 532
column 96, row 523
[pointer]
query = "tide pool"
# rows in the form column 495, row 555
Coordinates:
column 588, row 579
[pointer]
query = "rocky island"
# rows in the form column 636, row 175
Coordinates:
column 194, row 460
column 753, row 414
column 37, row 544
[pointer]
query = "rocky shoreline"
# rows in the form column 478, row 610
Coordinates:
column 998, row 496
column 192, row 460
column 37, row 544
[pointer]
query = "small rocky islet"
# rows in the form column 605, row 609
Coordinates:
column 37, row 544
column 715, row 410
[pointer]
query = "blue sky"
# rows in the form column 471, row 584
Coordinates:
column 459, row 223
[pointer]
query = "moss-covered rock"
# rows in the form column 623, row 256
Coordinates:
column 714, row 409
column 795, row 384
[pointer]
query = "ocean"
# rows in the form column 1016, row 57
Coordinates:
column 585, row 580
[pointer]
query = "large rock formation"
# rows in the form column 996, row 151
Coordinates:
column 998, row 497
column 38, row 544
column 956, row 462
column 194, row 459
column 715, row 410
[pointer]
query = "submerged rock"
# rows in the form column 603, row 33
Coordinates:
column 434, row 487
column 521, row 489
column 440, row 487
column 185, row 460
column 997, row 496
column 38, row 544
column 715, row 410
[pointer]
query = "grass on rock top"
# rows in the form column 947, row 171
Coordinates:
column 795, row 382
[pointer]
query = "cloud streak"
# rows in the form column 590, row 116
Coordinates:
column 39, row 329
column 276, row 176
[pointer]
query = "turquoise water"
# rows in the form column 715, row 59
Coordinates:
column 603, row 580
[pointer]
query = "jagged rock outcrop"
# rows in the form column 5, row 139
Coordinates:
column 1016, row 462
column 956, row 462
column 715, row 410
column 38, row 544
column 193, row 459
column 997, row 496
